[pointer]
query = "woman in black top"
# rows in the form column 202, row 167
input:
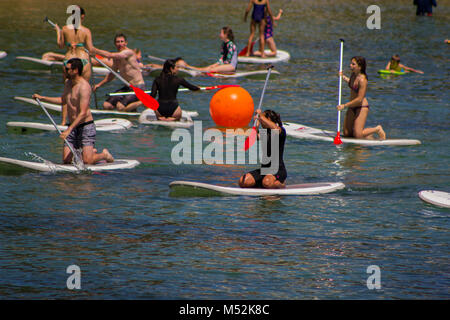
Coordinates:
column 270, row 120
column 166, row 86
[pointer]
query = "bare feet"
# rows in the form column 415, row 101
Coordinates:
column 381, row 133
column 108, row 156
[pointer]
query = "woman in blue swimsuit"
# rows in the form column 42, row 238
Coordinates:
column 258, row 18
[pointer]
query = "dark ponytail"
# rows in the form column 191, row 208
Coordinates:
column 167, row 68
column 273, row 116
column 229, row 33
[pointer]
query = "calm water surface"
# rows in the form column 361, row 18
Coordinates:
column 133, row 239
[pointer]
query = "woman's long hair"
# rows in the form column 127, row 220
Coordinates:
column 273, row 116
column 362, row 64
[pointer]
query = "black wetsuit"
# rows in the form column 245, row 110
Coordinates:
column 166, row 86
column 281, row 174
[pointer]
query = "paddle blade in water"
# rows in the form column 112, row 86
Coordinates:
column 337, row 139
column 146, row 99
column 250, row 140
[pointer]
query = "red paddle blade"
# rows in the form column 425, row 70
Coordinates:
column 244, row 51
column 250, row 140
column 146, row 99
column 337, row 139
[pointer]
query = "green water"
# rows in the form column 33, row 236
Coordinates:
column 133, row 239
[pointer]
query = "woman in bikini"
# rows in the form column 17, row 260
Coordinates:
column 166, row 86
column 76, row 38
column 228, row 56
column 258, row 19
column 358, row 107
column 270, row 121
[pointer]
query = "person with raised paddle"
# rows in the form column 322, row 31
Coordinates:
column 271, row 122
column 394, row 65
column 125, row 61
column 166, row 87
column 358, row 107
column 81, row 130
column 228, row 58
column 258, row 20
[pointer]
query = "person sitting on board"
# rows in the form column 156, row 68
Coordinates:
column 228, row 56
column 166, row 87
column 53, row 56
column 81, row 130
column 268, row 35
column 258, row 19
column 125, row 61
column 271, row 122
column 395, row 65
column 76, row 38
column 358, row 107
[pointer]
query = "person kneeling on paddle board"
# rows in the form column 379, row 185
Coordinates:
column 228, row 58
column 358, row 107
column 166, row 86
column 271, row 122
column 81, row 131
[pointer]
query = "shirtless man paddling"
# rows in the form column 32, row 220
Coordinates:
column 81, row 130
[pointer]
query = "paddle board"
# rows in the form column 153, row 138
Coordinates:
column 102, row 71
column 281, row 56
column 52, row 167
column 396, row 73
column 58, row 108
column 290, row 190
column 438, row 198
column 240, row 74
column 3, row 54
column 149, row 117
column 304, row 132
column 101, row 125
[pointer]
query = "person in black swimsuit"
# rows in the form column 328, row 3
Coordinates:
column 166, row 86
column 271, row 122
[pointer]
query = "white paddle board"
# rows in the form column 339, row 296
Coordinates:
column 3, row 54
column 58, row 108
column 52, row 167
column 101, row 125
column 102, row 71
column 438, row 198
column 281, row 56
column 304, row 132
column 290, row 190
column 149, row 117
column 240, row 74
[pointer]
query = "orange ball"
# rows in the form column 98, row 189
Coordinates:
column 231, row 107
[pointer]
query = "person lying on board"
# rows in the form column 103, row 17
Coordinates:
column 166, row 87
column 261, row 8
column 271, row 122
column 53, row 56
column 145, row 66
column 81, row 129
column 395, row 65
column 228, row 60
column 126, row 63
column 268, row 35
column 358, row 107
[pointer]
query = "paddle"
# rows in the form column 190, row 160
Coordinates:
column 244, row 51
column 337, row 139
column 147, row 100
column 46, row 19
column 92, row 83
column 78, row 162
column 250, row 140
column 221, row 86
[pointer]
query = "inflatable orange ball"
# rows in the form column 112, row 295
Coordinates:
column 231, row 107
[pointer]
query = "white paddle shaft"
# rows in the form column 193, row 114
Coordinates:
column 340, row 86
